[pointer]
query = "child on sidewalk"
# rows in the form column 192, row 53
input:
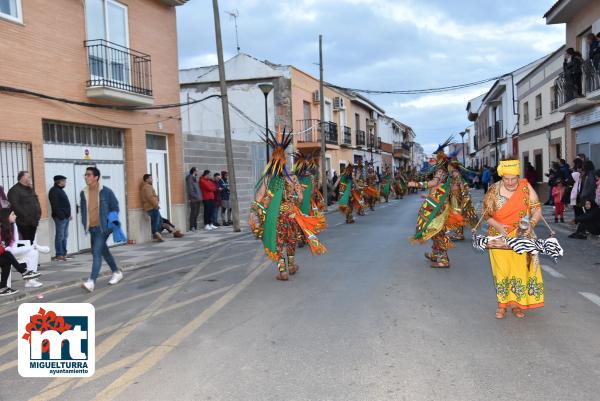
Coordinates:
column 558, row 192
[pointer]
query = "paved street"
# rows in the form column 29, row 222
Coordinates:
column 367, row 321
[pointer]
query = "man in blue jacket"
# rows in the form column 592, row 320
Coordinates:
column 486, row 178
column 97, row 202
column 61, row 214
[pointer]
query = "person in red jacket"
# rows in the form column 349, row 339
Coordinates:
column 209, row 190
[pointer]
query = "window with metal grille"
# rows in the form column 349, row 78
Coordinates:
column 83, row 135
column 14, row 157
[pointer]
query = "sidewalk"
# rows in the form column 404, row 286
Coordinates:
column 129, row 257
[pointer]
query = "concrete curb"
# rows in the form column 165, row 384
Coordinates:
column 128, row 267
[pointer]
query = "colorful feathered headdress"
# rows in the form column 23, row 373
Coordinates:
column 279, row 143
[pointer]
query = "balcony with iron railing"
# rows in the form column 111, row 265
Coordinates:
column 578, row 90
column 361, row 138
column 347, row 139
column 310, row 131
column 401, row 150
column 498, row 133
column 117, row 73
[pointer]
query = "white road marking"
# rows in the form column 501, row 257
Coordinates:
column 592, row 297
column 552, row 272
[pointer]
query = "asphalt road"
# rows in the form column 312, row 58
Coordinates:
column 367, row 321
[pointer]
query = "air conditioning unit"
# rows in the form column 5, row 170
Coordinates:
column 338, row 103
column 316, row 96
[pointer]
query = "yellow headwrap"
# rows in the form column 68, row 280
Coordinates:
column 509, row 167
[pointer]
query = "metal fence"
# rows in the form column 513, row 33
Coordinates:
column 14, row 157
column 119, row 67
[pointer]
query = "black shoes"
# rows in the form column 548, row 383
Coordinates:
column 578, row 236
column 28, row 275
column 7, row 291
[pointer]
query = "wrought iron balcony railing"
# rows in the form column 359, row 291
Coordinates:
column 114, row 66
column 311, row 131
column 361, row 139
column 347, row 136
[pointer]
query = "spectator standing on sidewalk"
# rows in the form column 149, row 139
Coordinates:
column 597, row 177
column 150, row 205
column 26, row 205
column 531, row 175
column 553, row 175
column 575, row 200
column 61, row 214
column 194, row 197
column 588, row 181
column 565, row 169
column 208, row 188
column 97, row 202
column 217, row 204
column 485, row 178
column 225, row 201
column 558, row 193
column 4, row 203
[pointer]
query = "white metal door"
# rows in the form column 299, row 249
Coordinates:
column 157, row 167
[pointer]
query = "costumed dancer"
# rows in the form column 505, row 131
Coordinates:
column 386, row 183
column 517, row 277
column 359, row 186
column 312, row 204
column 371, row 193
column 348, row 196
column 318, row 204
column 400, row 186
column 461, row 199
column 275, row 216
column 436, row 215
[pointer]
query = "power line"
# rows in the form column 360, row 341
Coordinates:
column 420, row 91
column 8, row 89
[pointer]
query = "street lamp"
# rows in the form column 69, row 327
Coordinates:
column 266, row 88
column 462, row 139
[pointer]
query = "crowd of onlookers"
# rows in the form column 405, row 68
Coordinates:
column 576, row 187
column 212, row 192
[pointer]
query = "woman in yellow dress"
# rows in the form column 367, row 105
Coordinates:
column 508, row 204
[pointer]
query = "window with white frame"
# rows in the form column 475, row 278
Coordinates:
column 11, row 10
column 538, row 106
column 107, row 29
column 526, row 113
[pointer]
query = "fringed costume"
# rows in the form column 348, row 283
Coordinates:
column 371, row 192
column 461, row 198
column 275, row 216
column 348, row 196
column 436, row 215
column 306, row 172
column 358, row 189
column 386, row 183
column 400, row 186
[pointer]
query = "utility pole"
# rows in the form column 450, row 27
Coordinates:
column 226, row 123
column 322, row 122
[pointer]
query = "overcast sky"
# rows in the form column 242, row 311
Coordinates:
column 383, row 44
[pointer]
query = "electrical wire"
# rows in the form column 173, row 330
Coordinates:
column 420, row 91
column 8, row 89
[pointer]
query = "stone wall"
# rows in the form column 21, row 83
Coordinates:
column 205, row 152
